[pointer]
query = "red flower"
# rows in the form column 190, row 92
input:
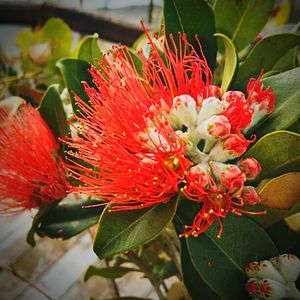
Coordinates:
column 31, row 173
column 257, row 95
column 239, row 113
column 139, row 137
column 135, row 158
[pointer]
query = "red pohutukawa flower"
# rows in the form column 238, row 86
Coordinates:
column 31, row 172
column 138, row 137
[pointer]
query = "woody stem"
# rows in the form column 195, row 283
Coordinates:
column 155, row 283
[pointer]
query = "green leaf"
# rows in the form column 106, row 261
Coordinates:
column 88, row 49
column 26, row 38
column 191, row 278
column 75, row 71
column 108, row 272
column 273, row 215
column 52, row 111
column 59, row 33
column 287, row 62
column 286, row 87
column 278, row 152
column 192, row 17
column 265, row 55
column 243, row 20
column 66, row 220
column 230, row 58
column 221, row 261
column 125, row 230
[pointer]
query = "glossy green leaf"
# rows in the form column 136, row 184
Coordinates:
column 89, row 49
column 286, row 87
column 265, row 55
column 108, row 272
column 221, row 261
column 287, row 62
column 273, row 215
column 52, row 111
column 75, row 71
column 191, row 278
column 125, row 230
column 230, row 57
column 242, row 20
column 278, row 153
column 192, row 17
column 66, row 220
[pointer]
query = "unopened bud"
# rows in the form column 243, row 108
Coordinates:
column 251, row 167
column 216, row 91
column 210, row 106
column 289, row 266
column 250, row 196
column 214, row 127
column 263, row 269
column 233, row 146
column 230, row 176
column 184, row 111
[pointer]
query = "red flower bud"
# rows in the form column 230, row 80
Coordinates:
column 250, row 196
column 251, row 167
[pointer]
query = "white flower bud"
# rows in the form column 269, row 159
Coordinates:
column 271, row 289
column 214, row 127
column 183, row 111
column 210, row 106
column 263, row 269
column 289, row 266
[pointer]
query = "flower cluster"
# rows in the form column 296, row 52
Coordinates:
column 31, row 172
column 142, row 139
column 274, row 279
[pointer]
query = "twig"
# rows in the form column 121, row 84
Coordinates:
column 115, row 286
column 78, row 19
column 156, row 284
column 10, row 79
column 16, row 274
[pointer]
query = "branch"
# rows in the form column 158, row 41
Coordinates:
column 80, row 20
